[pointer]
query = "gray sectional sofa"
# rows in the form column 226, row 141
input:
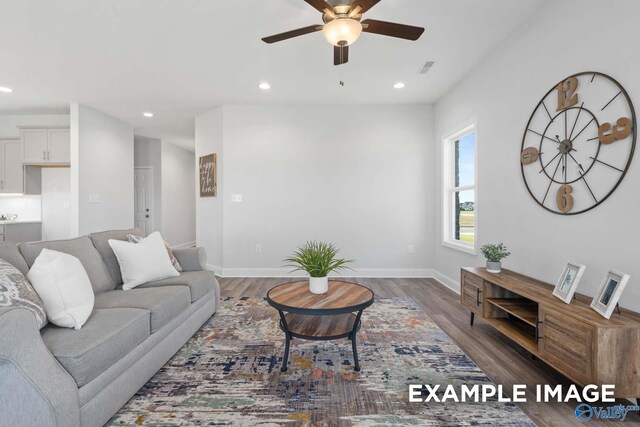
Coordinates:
column 64, row 377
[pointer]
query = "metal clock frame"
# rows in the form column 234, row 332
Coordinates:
column 631, row 153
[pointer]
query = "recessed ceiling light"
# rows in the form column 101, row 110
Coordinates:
column 147, row 114
column 4, row 89
column 264, row 86
column 399, row 85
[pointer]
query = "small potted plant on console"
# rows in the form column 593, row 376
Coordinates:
column 318, row 259
column 494, row 253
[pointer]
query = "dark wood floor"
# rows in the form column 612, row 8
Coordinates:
column 502, row 360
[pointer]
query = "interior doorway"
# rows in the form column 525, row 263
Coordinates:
column 144, row 215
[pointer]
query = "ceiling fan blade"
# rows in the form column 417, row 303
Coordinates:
column 320, row 5
column 291, row 34
column 340, row 55
column 364, row 5
column 391, row 29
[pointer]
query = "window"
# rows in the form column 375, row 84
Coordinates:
column 459, row 195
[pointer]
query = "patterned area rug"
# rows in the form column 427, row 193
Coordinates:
column 229, row 374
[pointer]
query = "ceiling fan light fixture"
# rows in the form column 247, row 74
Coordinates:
column 342, row 31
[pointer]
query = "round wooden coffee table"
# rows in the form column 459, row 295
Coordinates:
column 330, row 316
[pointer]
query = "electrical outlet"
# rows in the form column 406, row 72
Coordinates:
column 258, row 248
column 410, row 249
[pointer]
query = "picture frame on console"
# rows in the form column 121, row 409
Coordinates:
column 568, row 281
column 609, row 293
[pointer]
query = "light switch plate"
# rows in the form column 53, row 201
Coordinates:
column 94, row 199
column 236, row 198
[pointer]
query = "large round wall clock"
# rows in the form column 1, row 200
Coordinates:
column 579, row 143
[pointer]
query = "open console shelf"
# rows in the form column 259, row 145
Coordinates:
column 571, row 338
column 520, row 308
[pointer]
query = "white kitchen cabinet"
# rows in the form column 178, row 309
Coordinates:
column 21, row 232
column 59, row 146
column 42, row 145
column 11, row 172
column 35, row 143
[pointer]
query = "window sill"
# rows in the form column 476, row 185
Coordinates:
column 471, row 250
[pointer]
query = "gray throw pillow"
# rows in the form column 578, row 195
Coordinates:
column 136, row 239
column 16, row 291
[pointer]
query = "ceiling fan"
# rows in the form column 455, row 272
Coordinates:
column 343, row 25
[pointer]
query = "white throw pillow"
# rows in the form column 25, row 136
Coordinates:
column 144, row 261
column 64, row 288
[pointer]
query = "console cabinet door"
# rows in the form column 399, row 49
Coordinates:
column 471, row 292
column 35, row 144
column 567, row 344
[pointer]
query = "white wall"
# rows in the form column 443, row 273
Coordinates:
column 209, row 221
column 563, row 38
column 148, row 152
column 358, row 176
column 56, row 200
column 9, row 122
column 102, row 170
column 178, row 195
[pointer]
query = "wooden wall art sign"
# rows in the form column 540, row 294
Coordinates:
column 579, row 143
column 208, row 170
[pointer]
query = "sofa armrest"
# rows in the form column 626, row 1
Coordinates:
column 34, row 388
column 191, row 259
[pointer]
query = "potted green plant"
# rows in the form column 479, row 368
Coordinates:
column 318, row 259
column 494, row 253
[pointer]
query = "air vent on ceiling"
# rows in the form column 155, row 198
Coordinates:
column 426, row 67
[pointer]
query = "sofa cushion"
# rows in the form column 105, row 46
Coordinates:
column 16, row 291
column 108, row 335
column 81, row 248
column 64, row 287
column 143, row 262
column 199, row 282
column 101, row 242
column 165, row 303
column 10, row 253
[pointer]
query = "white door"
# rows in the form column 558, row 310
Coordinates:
column 13, row 175
column 59, row 146
column 35, row 145
column 144, row 200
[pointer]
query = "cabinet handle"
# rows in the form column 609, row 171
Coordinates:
column 478, row 292
column 538, row 337
column 44, row 155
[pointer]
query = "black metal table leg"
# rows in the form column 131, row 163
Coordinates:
column 287, row 337
column 356, row 326
column 285, row 359
column 355, row 354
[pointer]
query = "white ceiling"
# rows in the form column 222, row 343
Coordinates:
column 179, row 58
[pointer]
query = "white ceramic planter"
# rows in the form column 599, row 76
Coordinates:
column 318, row 285
column 494, row 267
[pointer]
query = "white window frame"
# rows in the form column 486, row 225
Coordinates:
column 448, row 190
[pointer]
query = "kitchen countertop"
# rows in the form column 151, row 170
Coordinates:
column 20, row 221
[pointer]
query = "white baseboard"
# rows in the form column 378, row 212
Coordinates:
column 393, row 273
column 215, row 269
column 447, row 281
column 358, row 273
column 184, row 245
